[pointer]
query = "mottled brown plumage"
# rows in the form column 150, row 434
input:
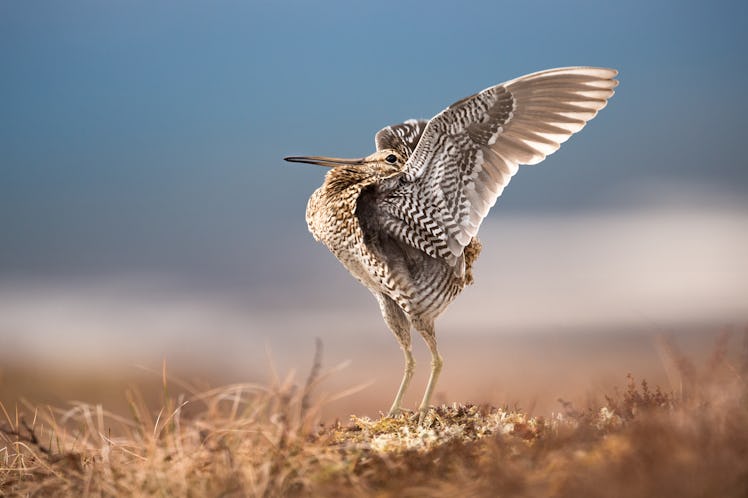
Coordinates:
column 404, row 220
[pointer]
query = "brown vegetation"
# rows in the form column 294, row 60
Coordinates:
column 253, row 440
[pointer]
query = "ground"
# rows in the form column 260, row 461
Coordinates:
column 268, row 440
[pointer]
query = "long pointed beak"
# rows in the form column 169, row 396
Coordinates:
column 329, row 162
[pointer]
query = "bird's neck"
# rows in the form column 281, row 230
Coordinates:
column 345, row 181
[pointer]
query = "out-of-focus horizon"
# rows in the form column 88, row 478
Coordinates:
column 146, row 211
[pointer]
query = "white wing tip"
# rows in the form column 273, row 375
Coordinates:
column 597, row 72
column 600, row 73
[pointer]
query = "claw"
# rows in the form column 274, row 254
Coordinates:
column 422, row 413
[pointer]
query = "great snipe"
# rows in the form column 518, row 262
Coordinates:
column 404, row 219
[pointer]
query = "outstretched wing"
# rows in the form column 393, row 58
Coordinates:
column 401, row 137
column 468, row 153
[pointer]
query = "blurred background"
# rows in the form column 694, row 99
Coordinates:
column 146, row 213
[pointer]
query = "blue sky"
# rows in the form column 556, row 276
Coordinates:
column 147, row 136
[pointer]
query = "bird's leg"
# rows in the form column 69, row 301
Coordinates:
column 426, row 329
column 398, row 323
column 409, row 368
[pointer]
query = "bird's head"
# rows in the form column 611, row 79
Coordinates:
column 382, row 163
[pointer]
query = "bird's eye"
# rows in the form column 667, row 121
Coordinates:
column 392, row 159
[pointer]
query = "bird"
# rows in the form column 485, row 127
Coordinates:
column 404, row 220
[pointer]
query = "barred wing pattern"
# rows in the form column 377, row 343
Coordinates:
column 402, row 137
column 467, row 154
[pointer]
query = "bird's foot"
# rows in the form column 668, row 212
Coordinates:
column 425, row 416
column 396, row 411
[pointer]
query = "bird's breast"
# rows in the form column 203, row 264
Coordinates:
column 424, row 288
column 331, row 220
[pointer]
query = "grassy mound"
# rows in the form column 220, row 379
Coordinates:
column 250, row 440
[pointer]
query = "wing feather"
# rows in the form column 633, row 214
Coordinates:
column 401, row 137
column 464, row 157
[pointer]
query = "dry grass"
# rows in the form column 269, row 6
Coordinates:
column 252, row 440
